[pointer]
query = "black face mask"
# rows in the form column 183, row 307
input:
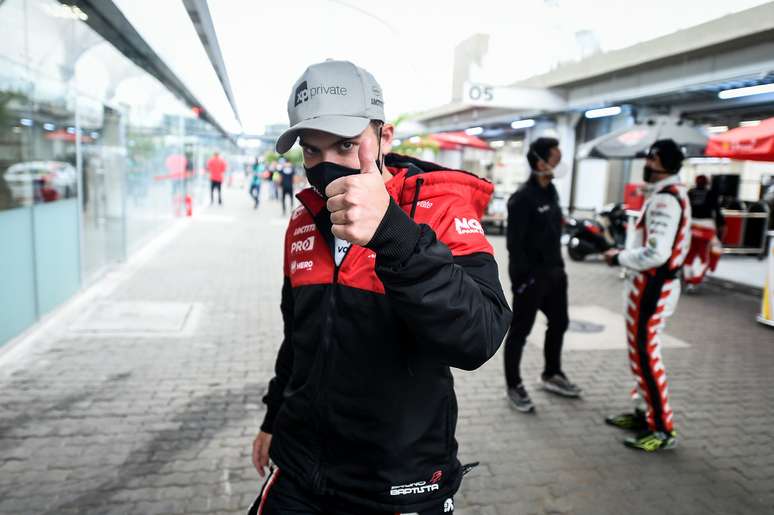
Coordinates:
column 647, row 173
column 322, row 174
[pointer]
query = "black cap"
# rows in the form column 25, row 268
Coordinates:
column 670, row 154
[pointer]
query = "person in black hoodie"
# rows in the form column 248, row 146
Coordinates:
column 388, row 282
column 538, row 279
column 705, row 204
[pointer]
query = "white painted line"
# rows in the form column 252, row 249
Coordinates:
column 612, row 335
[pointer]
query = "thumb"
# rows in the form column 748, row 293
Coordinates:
column 366, row 154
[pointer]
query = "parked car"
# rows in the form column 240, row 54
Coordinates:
column 41, row 181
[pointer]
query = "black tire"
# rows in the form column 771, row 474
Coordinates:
column 575, row 254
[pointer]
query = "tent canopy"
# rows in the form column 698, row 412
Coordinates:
column 635, row 141
column 750, row 143
column 457, row 140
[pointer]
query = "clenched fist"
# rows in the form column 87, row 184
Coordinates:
column 357, row 203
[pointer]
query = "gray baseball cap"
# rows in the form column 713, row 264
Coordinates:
column 333, row 96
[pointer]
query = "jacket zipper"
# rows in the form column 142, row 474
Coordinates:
column 317, row 477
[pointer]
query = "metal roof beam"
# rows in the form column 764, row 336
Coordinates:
column 202, row 21
column 107, row 20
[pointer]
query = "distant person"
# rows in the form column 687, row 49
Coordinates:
column 216, row 166
column 767, row 196
column 255, row 181
column 654, row 259
column 705, row 204
column 538, row 279
column 288, row 173
column 708, row 229
column 276, row 179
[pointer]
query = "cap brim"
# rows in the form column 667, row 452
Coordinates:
column 344, row 126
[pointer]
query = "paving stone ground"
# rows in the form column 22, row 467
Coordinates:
column 137, row 422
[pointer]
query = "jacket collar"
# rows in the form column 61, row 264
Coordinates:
column 655, row 187
column 415, row 180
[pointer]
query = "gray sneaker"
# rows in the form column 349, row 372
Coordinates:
column 560, row 385
column 520, row 399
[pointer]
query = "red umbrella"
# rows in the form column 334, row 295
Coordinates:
column 457, row 140
column 62, row 135
column 750, row 143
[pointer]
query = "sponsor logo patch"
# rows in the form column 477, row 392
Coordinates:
column 468, row 226
column 305, row 93
column 302, row 245
column 300, row 265
column 304, row 229
column 420, row 487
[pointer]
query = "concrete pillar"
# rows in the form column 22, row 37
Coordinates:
column 113, row 158
column 467, row 54
column 565, row 128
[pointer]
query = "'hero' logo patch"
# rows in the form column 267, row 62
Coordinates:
column 300, row 265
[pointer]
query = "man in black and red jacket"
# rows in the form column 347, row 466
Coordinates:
column 389, row 282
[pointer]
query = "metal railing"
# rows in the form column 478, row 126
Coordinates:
column 745, row 244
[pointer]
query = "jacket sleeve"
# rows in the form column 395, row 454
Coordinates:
column 283, row 367
column 518, row 220
column 663, row 220
column 454, row 306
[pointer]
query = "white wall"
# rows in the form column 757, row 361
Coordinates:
column 591, row 184
column 450, row 159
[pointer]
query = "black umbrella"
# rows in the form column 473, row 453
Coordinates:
column 634, row 141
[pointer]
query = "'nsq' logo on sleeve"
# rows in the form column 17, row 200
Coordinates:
column 468, row 226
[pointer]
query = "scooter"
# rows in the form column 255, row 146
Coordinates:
column 704, row 253
column 588, row 236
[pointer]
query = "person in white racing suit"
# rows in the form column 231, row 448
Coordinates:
column 654, row 256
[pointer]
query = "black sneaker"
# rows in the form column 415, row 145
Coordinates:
column 629, row 421
column 652, row 441
column 560, row 385
column 520, row 399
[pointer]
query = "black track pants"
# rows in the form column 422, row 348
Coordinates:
column 546, row 291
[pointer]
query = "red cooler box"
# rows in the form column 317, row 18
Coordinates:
column 734, row 228
column 633, row 197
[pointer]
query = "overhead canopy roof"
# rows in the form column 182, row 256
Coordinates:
column 748, row 143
